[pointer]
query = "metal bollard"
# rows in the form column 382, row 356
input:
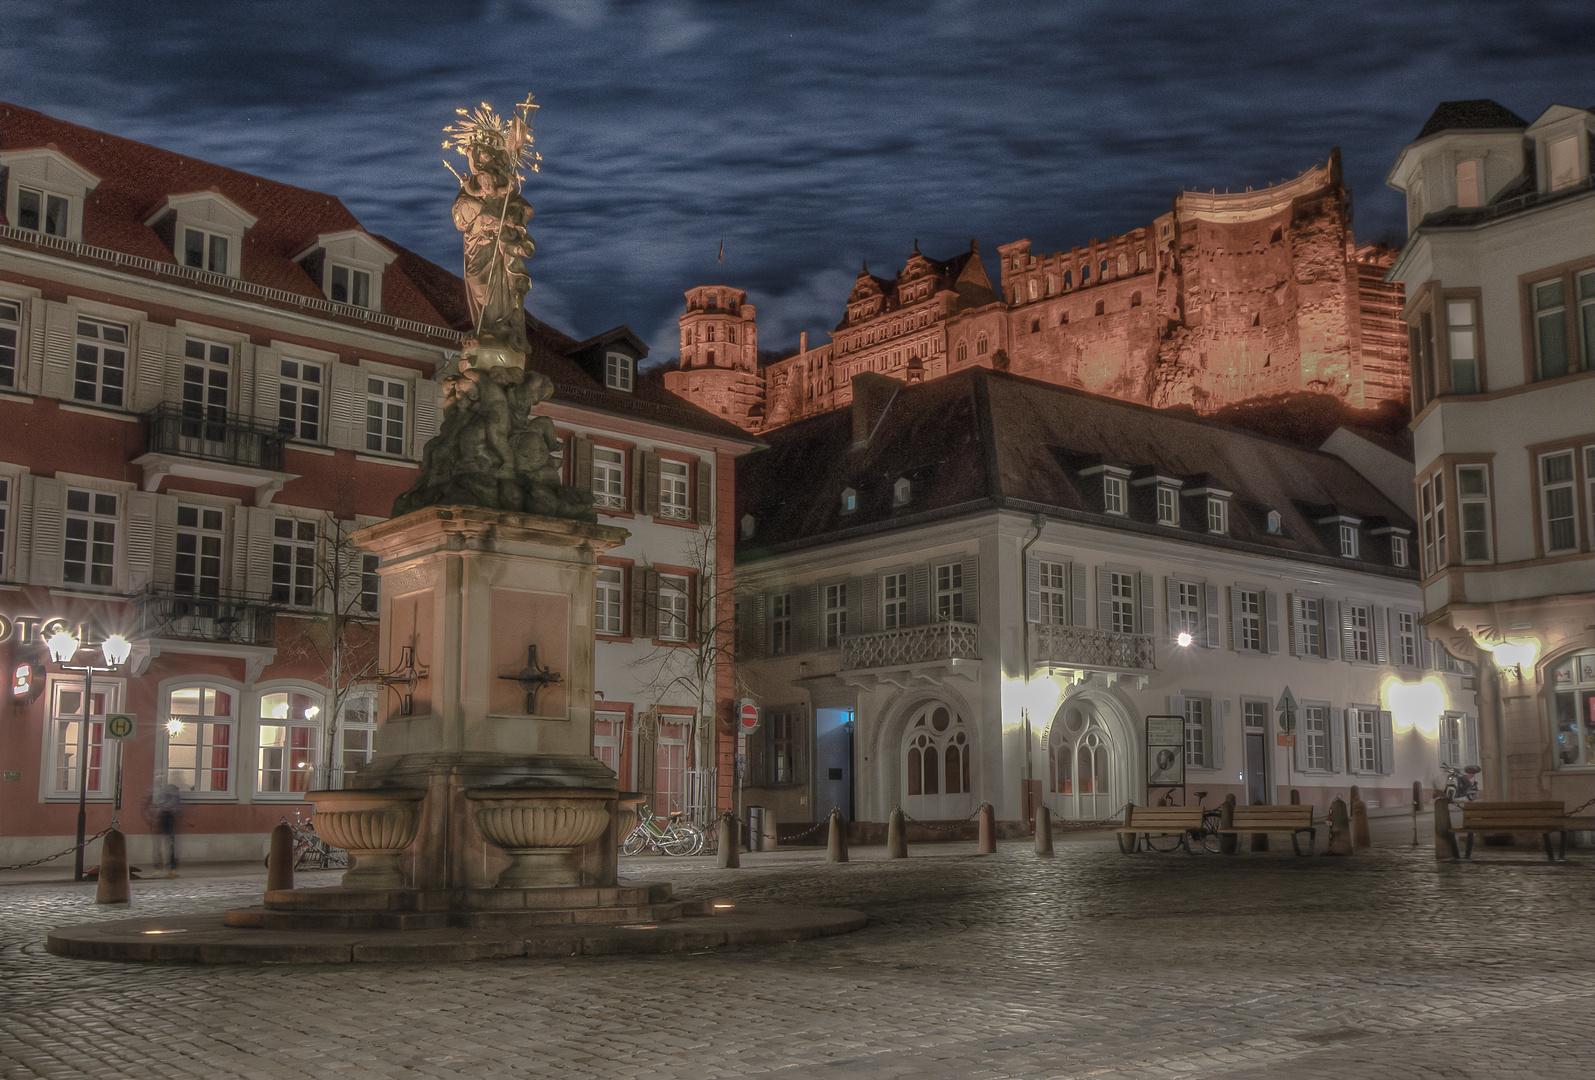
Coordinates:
column 280, row 863
column 1360, row 836
column 1259, row 839
column 730, row 857
column 1417, row 808
column 1339, row 829
column 1445, row 845
column 1043, row 831
column 836, row 844
column 1295, row 797
column 1228, row 843
column 113, row 887
column 988, row 830
column 896, row 842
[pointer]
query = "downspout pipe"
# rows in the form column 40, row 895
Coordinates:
column 1037, row 522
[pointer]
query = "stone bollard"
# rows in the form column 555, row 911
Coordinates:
column 113, row 887
column 1445, row 845
column 1043, row 831
column 1417, row 808
column 836, row 844
column 1259, row 839
column 988, row 830
column 1360, row 836
column 1339, row 829
column 1295, row 797
column 896, row 842
column 280, row 863
column 1228, row 843
column 730, row 856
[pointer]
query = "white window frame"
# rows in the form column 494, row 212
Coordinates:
column 1217, row 515
column 1357, row 632
column 292, row 390
column 1121, row 602
column 609, row 478
column 1348, row 541
column 835, row 626
column 675, row 593
column 1474, row 504
column 46, row 197
column 95, row 353
column 1431, row 508
column 781, row 624
column 894, row 601
column 1589, row 487
column 1404, row 638
column 296, row 544
column 1054, row 593
column 1198, row 731
column 1399, row 555
column 1251, row 632
column 1362, row 740
column 1462, row 327
column 357, row 701
column 1112, row 494
column 369, row 599
column 609, row 601
column 61, row 737
column 1551, row 317
column 1316, row 754
column 1168, row 506
column 1549, row 489
column 207, row 249
column 98, row 545
column 1187, row 614
column 620, row 371
column 948, row 582
column 1315, row 625
column 308, row 767
column 10, row 344
column 675, row 489
column 357, row 285
column 379, row 392
column 204, row 722
column 199, row 532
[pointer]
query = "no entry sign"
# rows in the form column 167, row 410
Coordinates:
column 748, row 715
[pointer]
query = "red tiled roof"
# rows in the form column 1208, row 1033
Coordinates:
column 136, row 179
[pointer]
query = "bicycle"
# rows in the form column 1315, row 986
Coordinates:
column 669, row 835
column 1208, row 835
column 311, row 852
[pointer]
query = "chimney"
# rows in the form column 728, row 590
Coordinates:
column 803, row 341
column 872, row 396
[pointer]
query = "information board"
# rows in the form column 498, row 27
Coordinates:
column 1165, row 751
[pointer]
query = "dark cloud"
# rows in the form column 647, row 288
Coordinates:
column 808, row 135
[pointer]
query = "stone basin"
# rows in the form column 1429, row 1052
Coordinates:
column 538, row 828
column 374, row 825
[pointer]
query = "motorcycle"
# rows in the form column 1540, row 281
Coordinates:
column 1460, row 784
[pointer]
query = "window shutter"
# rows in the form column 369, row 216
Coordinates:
column 854, row 607
column 919, row 612
column 804, row 601
column 870, row 593
column 1104, row 599
column 1470, row 740
column 243, row 398
column 141, row 509
column 1348, row 641
column 581, row 470
column 761, row 621
column 267, row 406
column 1176, row 708
column 257, row 565
column 1424, row 658
column 1171, row 594
column 347, row 559
column 60, row 336
column 1337, row 740
column 972, row 590
column 1212, row 629
column 1299, row 751
column 755, row 771
column 172, row 370
column 1271, row 617
column 49, row 499
column 1032, row 590
column 1079, row 606
column 1217, row 724
column 1145, row 622
column 1329, row 628
column 239, row 554
column 424, row 419
column 1234, row 618
column 1298, row 625
column 650, row 602
column 346, row 424
column 21, row 560
column 1387, row 743
column 648, row 757
column 650, row 483
column 1381, row 634
column 637, row 484
column 639, row 604
column 705, row 504
column 149, row 376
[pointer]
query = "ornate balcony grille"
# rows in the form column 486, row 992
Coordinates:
column 910, row 645
column 1093, row 648
column 173, row 428
column 167, row 613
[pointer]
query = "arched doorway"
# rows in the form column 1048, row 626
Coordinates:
column 1087, row 776
column 935, row 761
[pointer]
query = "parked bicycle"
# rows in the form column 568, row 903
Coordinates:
column 311, row 852
column 671, row 835
column 1207, row 835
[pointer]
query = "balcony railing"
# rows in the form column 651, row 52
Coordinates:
column 167, row 613
column 910, row 645
column 213, row 436
column 1093, row 648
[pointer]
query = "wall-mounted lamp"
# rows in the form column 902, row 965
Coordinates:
column 1184, row 639
column 1512, row 657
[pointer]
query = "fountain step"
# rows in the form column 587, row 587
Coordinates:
column 264, row 918
column 443, row 900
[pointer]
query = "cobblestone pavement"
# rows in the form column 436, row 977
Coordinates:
column 1091, row 964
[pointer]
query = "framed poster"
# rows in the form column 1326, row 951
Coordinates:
column 1165, row 751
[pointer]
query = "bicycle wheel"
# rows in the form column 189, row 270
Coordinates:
column 700, row 839
column 1165, row 842
column 1211, row 841
column 636, row 843
column 680, row 841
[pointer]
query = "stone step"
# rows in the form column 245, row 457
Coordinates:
column 442, row 900
column 265, row 918
column 505, row 920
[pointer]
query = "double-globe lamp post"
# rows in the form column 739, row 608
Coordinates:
column 63, row 647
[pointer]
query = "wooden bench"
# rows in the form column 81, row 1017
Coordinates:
column 1276, row 819
column 1151, row 821
column 1544, row 818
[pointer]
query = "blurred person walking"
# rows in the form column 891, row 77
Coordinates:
column 163, row 806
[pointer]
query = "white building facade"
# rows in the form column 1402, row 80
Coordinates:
column 1499, row 269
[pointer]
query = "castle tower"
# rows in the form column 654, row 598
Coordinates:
column 720, row 356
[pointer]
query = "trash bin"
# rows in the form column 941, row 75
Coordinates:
column 755, row 826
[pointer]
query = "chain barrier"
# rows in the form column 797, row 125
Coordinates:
column 1099, row 823
column 938, row 828
column 1574, row 812
column 811, row 830
column 51, row 858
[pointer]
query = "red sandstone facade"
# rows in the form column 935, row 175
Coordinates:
column 1226, row 298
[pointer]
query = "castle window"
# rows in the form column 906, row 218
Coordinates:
column 1140, row 260
column 1063, row 319
column 1279, row 234
column 1035, row 326
column 710, row 360
column 963, row 351
column 1257, row 319
column 1035, row 289
column 1101, row 307
column 711, row 334
column 1052, row 284
column 1135, row 299
column 731, row 335
column 1085, row 274
column 1068, row 279
column 620, row 368
column 1124, row 265
column 1103, row 269
column 711, row 307
column 980, row 345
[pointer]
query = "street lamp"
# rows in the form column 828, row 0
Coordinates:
column 63, row 647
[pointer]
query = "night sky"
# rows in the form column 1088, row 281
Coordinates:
column 808, row 135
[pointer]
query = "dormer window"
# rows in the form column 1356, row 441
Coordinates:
column 1398, row 550
column 40, row 211
column 204, row 229
column 1562, row 158
column 1168, row 506
column 1348, row 540
column 45, row 191
column 901, row 492
column 1217, row 515
column 849, row 500
column 205, row 250
column 619, row 371
column 1275, row 525
column 1112, row 494
column 348, row 285
column 1467, row 183
column 348, row 266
